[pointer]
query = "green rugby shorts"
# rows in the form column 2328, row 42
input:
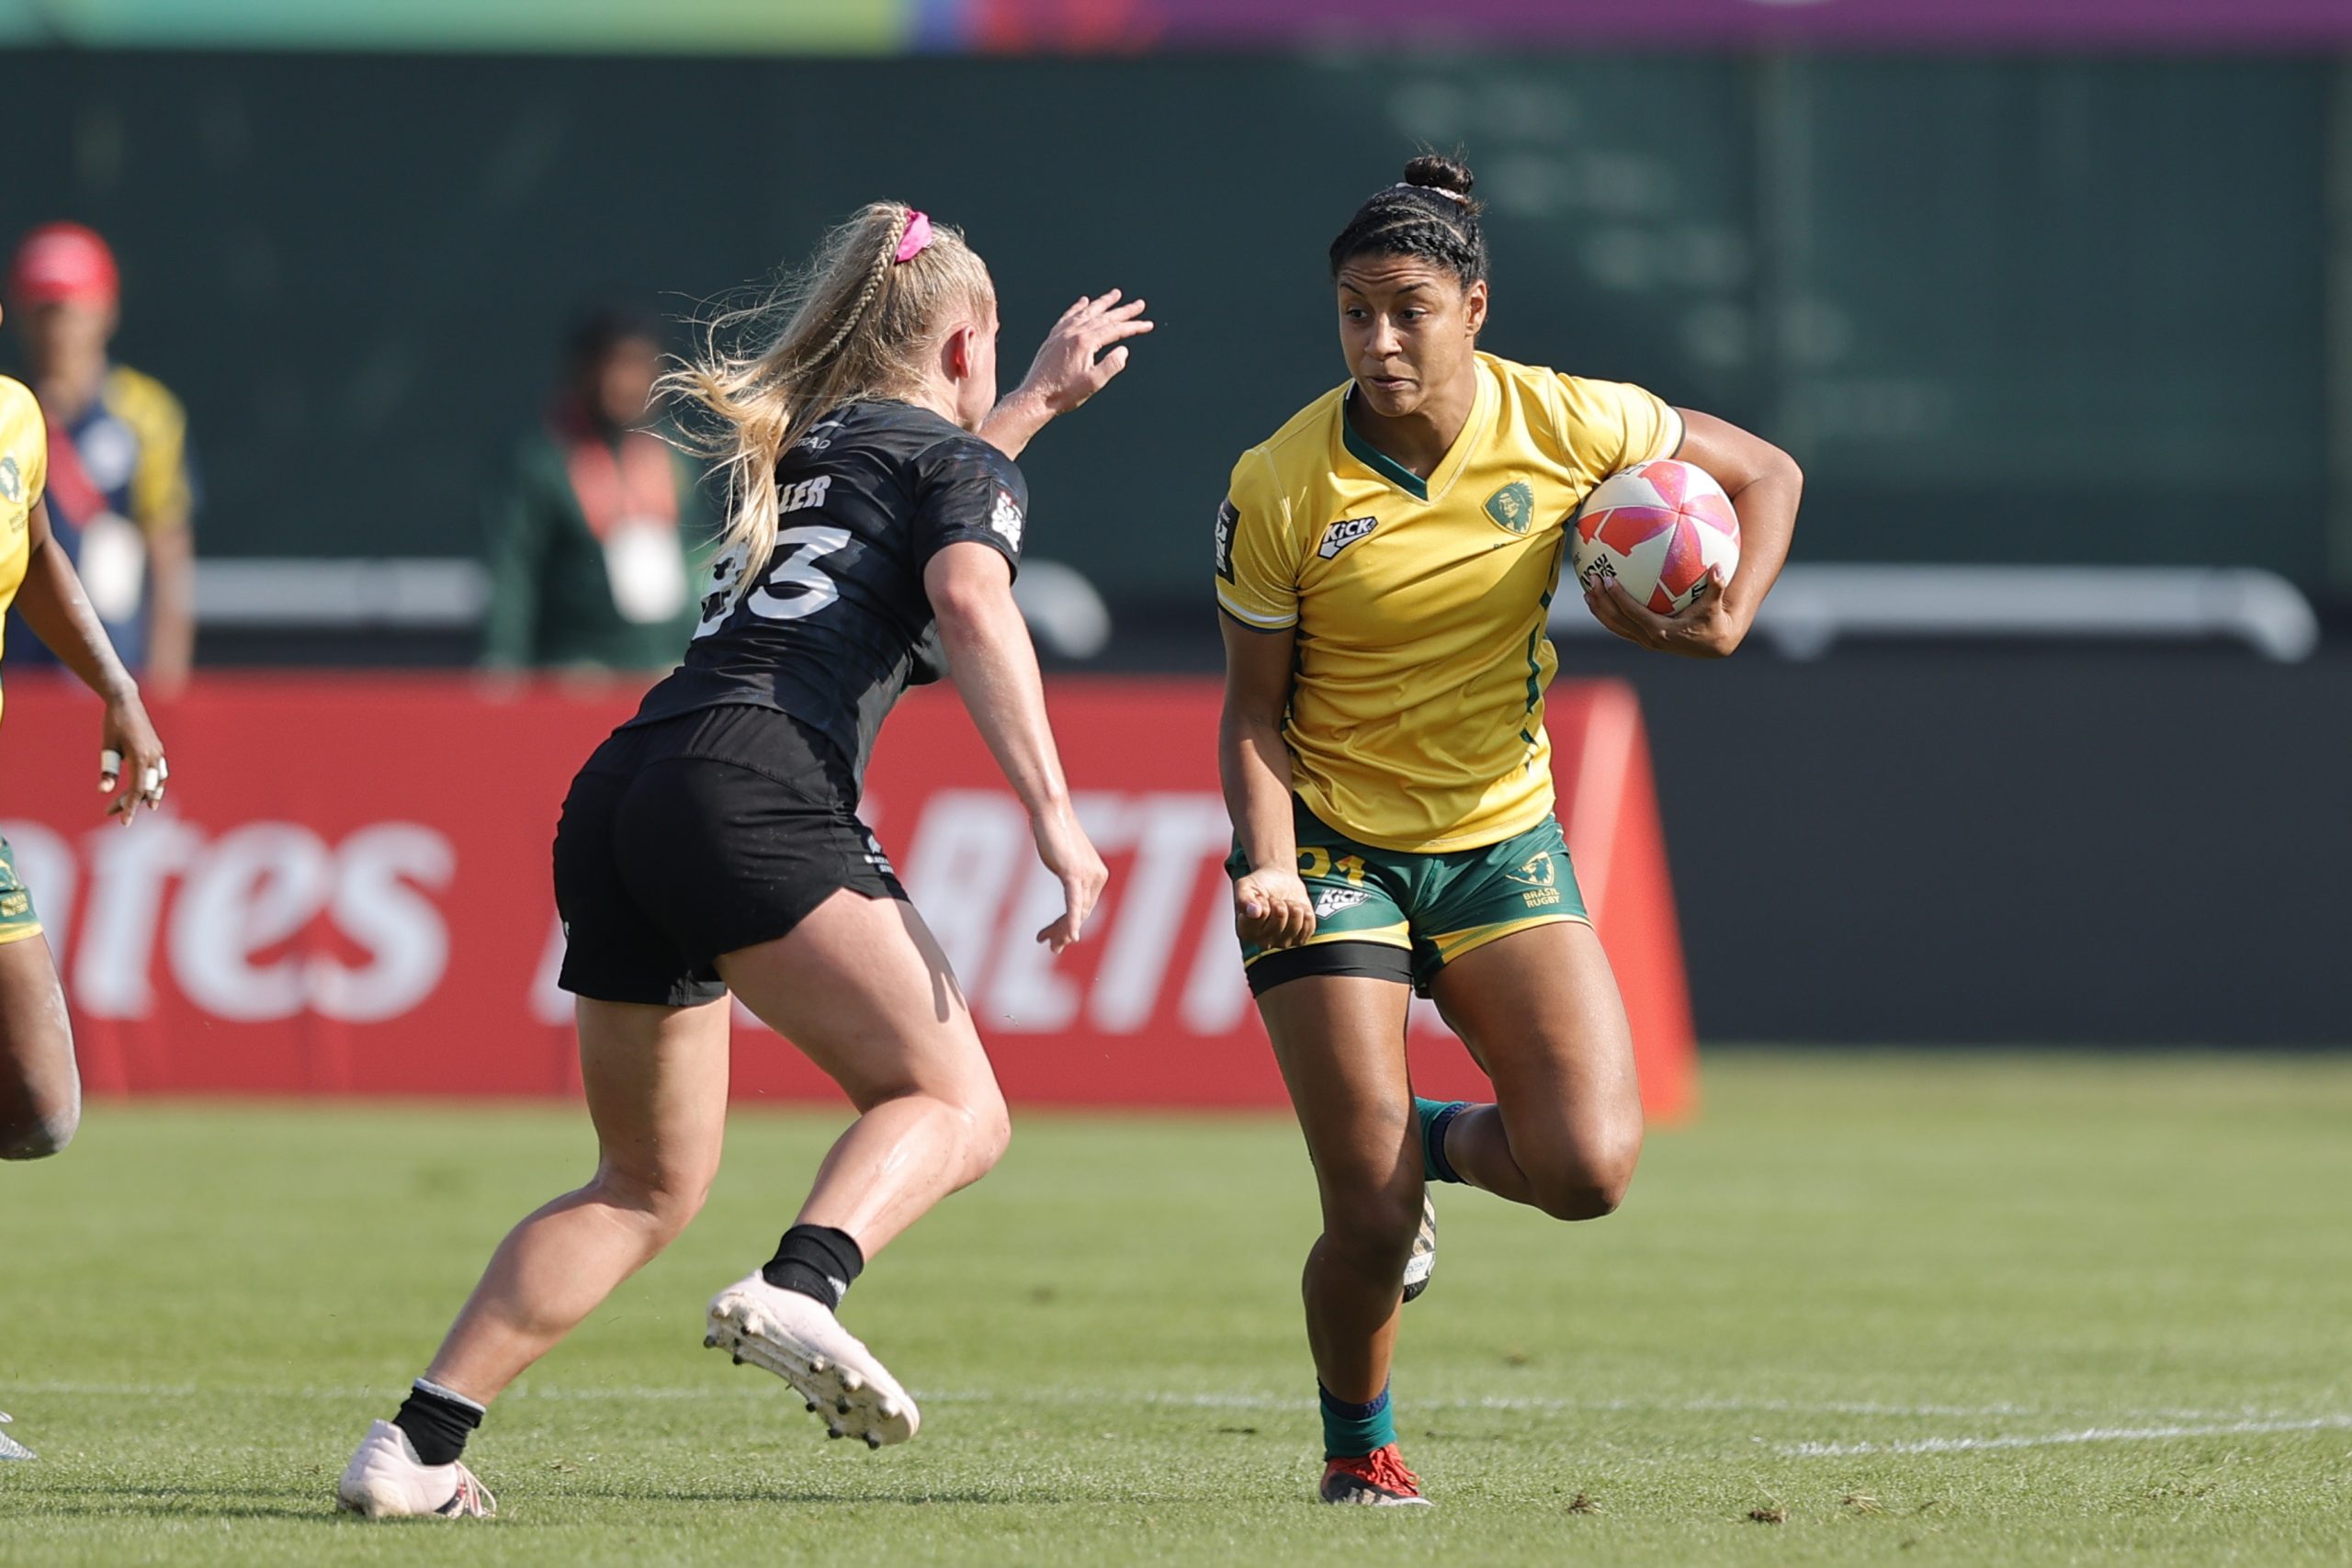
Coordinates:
column 1394, row 915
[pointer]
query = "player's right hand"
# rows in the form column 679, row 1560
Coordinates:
column 1067, row 852
column 1270, row 908
column 1086, row 348
column 130, row 756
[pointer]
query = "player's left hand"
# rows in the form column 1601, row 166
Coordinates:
column 1072, row 365
column 1707, row 628
column 131, row 757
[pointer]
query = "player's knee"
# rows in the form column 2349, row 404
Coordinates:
column 41, row 1135
column 1371, row 1229
column 1578, row 1200
column 1592, row 1182
column 987, row 1133
column 666, row 1198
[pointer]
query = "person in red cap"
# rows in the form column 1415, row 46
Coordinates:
column 122, row 492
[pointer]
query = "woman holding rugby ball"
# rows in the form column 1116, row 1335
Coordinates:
column 1384, row 562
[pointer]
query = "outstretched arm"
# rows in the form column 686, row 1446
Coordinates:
column 1070, row 367
column 970, row 589
column 59, row 613
column 1764, row 484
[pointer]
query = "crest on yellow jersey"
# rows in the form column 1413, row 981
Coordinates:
column 12, row 479
column 1512, row 507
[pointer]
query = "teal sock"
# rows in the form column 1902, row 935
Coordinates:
column 1436, row 1116
column 1352, row 1431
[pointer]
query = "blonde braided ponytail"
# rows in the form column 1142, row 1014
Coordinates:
column 856, row 322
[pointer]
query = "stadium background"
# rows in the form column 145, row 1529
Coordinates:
column 2026, row 287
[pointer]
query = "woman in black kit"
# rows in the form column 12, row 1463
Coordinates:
column 712, row 845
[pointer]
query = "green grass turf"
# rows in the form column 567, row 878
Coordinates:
column 2135, row 1272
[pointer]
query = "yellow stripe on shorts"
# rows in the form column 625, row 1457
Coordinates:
column 1453, row 945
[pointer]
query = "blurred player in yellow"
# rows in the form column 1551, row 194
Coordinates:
column 41, row 1092
column 1384, row 565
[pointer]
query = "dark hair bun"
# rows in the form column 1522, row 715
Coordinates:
column 1439, row 173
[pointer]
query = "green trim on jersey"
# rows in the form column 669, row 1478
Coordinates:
column 1380, row 462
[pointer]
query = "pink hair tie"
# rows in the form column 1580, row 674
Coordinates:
column 917, row 237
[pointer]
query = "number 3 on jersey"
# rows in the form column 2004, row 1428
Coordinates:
column 793, row 586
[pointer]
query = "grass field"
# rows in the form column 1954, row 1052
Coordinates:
column 1868, row 1309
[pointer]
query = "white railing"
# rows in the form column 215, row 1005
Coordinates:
column 1812, row 609
column 423, row 594
column 1814, row 606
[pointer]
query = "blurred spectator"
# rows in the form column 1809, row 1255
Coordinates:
column 598, row 538
column 121, row 488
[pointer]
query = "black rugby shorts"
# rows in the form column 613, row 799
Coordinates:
column 698, row 835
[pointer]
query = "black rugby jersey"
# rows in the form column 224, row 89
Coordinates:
column 836, row 624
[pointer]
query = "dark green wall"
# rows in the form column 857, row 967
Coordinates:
column 2003, row 309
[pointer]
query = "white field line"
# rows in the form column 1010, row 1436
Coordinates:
column 2055, row 1439
column 2180, row 1423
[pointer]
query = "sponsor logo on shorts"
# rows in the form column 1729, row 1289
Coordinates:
column 1227, row 520
column 1342, row 534
column 1538, row 898
column 14, row 906
column 1335, row 899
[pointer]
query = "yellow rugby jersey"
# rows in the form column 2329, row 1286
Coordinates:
column 24, row 470
column 1415, row 714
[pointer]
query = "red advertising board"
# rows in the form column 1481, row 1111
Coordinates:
column 348, row 893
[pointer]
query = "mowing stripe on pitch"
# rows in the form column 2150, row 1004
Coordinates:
column 2054, row 1439
column 2178, row 1423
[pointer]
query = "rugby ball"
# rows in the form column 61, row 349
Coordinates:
column 1658, row 527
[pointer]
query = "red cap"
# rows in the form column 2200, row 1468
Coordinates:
column 63, row 262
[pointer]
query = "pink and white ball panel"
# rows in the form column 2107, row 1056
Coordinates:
column 1658, row 527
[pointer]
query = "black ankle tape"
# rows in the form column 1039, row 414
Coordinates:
column 817, row 1261
column 437, row 1421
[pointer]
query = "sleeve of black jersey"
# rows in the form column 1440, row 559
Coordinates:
column 967, row 490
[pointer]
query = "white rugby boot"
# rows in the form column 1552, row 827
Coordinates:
column 1422, row 1261
column 385, row 1481
column 9, row 1446
column 799, row 1339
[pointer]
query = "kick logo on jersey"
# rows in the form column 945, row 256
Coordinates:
column 1007, row 518
column 1512, row 507
column 1342, row 534
column 1335, row 899
column 1227, row 520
